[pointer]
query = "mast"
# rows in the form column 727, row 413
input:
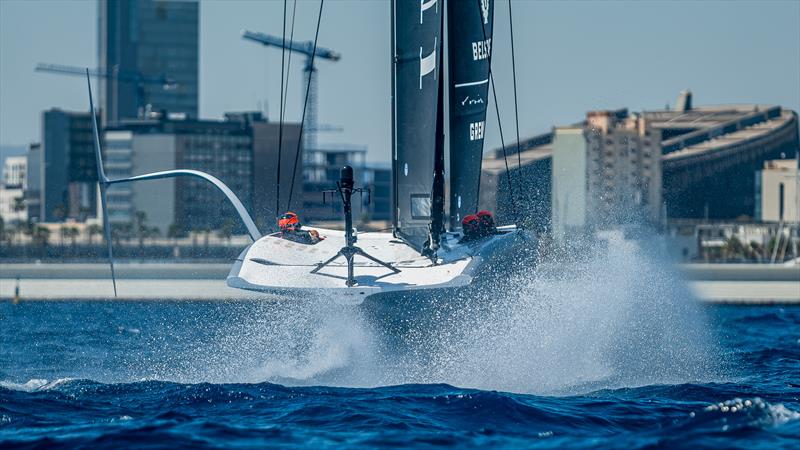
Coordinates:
column 437, row 193
column 393, row 156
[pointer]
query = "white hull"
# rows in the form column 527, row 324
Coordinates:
column 276, row 265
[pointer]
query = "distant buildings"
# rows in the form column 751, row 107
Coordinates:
column 606, row 172
column 777, row 192
column 224, row 149
column 63, row 171
column 321, row 171
column 148, row 38
column 709, row 157
column 12, row 185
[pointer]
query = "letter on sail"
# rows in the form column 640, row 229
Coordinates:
column 417, row 41
column 469, row 32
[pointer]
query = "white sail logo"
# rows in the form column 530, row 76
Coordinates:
column 427, row 64
column 476, row 130
column 485, row 11
column 481, row 49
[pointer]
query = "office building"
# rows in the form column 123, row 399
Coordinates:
column 777, row 192
column 62, row 171
column 266, row 153
column 321, row 171
column 606, row 172
column 33, row 181
column 223, row 149
column 12, row 189
column 143, row 40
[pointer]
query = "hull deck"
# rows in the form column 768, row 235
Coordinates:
column 276, row 265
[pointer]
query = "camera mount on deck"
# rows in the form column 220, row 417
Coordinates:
column 345, row 187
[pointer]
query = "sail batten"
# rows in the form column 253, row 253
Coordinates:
column 469, row 32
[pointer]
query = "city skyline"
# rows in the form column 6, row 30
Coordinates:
column 748, row 52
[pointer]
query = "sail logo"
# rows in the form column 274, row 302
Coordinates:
column 481, row 49
column 476, row 130
column 485, row 11
column 427, row 64
column 472, row 101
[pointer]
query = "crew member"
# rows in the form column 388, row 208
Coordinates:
column 291, row 230
column 470, row 226
column 486, row 223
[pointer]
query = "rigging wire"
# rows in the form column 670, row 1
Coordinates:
column 500, row 124
column 514, row 73
column 289, row 62
column 280, row 119
column 305, row 103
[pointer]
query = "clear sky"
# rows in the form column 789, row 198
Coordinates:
column 572, row 56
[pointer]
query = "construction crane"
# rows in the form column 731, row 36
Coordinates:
column 310, row 72
column 116, row 76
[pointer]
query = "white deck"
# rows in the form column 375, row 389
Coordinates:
column 273, row 264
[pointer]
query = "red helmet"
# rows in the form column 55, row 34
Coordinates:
column 470, row 224
column 486, row 218
column 289, row 221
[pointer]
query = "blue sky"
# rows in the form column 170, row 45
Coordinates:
column 572, row 56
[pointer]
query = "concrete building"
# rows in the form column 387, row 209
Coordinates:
column 321, row 171
column 709, row 159
column 15, row 170
column 606, row 173
column 12, row 189
column 222, row 148
column 33, row 179
column 62, row 171
column 265, row 171
column 148, row 38
column 777, row 192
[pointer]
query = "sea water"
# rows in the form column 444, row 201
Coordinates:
column 607, row 350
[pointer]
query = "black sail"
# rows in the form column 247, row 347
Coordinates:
column 469, row 33
column 417, row 41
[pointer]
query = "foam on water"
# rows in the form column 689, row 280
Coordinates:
column 616, row 316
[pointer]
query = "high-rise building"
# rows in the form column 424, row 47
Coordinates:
column 33, row 180
column 606, row 172
column 67, row 170
column 148, row 38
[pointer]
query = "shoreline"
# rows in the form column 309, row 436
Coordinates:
column 739, row 284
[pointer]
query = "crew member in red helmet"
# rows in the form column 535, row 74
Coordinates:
column 290, row 227
column 486, row 223
column 470, row 226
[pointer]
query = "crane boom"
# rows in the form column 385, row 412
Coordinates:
column 305, row 48
column 97, row 73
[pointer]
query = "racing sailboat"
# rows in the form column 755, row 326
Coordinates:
column 420, row 253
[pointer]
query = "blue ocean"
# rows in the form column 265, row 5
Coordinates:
column 610, row 356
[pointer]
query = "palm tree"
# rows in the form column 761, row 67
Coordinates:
column 40, row 235
column 140, row 228
column 174, row 232
column 226, row 230
column 72, row 235
column 92, row 230
column 63, row 231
